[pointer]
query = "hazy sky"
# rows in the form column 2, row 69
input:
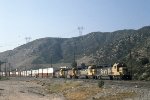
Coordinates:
column 60, row 18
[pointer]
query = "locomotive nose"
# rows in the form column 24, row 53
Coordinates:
column 123, row 70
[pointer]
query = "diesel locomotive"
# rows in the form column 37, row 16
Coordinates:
column 117, row 71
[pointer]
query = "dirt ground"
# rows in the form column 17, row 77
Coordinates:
column 22, row 88
column 15, row 89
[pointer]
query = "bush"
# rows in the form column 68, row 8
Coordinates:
column 100, row 84
column 144, row 61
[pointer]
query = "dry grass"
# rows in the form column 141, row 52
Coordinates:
column 82, row 93
column 118, row 96
column 76, row 90
column 62, row 87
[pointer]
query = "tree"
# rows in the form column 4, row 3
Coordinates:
column 74, row 64
column 83, row 65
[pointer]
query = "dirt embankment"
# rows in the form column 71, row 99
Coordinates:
column 64, row 89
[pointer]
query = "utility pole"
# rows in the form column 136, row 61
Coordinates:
column 51, row 55
column 80, row 29
column 74, row 55
column 5, row 70
column 31, row 72
column 51, row 63
column 130, row 56
column 9, row 69
column 147, row 49
column 25, row 71
column 0, row 69
column 1, row 73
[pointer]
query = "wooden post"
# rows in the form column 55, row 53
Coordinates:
column 20, row 72
column 47, row 72
column 42, row 72
column 26, row 72
column 31, row 72
column 38, row 72
column 0, row 70
column 9, row 69
column 15, row 73
column 5, row 70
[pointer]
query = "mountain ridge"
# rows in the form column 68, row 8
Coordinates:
column 92, row 48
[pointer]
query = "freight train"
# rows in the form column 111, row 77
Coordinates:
column 117, row 71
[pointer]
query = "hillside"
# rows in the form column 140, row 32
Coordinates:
column 93, row 48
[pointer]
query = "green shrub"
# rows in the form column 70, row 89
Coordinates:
column 100, row 84
column 4, row 78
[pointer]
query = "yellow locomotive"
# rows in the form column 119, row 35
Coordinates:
column 72, row 73
column 117, row 71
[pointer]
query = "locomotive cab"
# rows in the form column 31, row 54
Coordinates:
column 92, row 72
column 120, row 71
column 62, row 73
